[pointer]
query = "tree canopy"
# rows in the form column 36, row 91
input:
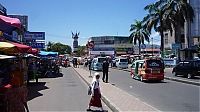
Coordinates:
column 59, row 47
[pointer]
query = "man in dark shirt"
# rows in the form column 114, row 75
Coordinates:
column 105, row 71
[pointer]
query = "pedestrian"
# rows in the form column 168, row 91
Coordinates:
column 105, row 71
column 78, row 63
column 95, row 100
column 16, row 96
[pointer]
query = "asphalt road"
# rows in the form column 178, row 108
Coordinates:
column 67, row 93
column 165, row 96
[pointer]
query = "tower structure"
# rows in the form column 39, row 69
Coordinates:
column 75, row 42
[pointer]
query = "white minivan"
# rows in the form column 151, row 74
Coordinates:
column 97, row 63
column 121, row 62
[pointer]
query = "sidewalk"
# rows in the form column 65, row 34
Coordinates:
column 117, row 99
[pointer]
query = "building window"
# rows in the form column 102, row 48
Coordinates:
column 166, row 38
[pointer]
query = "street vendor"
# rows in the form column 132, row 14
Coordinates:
column 16, row 94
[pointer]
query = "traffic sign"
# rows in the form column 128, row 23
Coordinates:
column 176, row 46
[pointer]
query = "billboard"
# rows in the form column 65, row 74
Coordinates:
column 35, row 39
column 34, row 35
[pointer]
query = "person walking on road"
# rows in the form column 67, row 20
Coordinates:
column 95, row 100
column 105, row 71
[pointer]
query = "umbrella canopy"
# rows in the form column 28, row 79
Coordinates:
column 12, row 47
column 33, row 51
column 22, row 48
column 6, row 57
column 8, row 24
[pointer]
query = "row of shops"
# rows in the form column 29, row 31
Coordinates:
column 19, row 64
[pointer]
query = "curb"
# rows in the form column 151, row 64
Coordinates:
column 171, row 78
column 183, row 81
column 104, row 99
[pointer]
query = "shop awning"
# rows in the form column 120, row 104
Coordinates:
column 8, row 24
column 6, row 57
column 46, row 53
column 23, row 48
column 11, row 47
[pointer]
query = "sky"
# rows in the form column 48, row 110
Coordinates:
column 58, row 18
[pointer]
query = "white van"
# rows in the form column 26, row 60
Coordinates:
column 122, row 62
column 97, row 63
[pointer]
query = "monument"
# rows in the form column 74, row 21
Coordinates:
column 75, row 42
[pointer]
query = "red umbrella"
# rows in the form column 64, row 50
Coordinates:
column 21, row 47
column 11, row 21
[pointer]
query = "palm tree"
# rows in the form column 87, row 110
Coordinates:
column 168, row 15
column 155, row 20
column 178, row 12
column 139, row 33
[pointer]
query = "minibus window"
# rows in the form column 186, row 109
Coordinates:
column 154, row 64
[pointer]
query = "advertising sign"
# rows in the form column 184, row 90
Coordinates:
column 34, row 35
column 37, row 45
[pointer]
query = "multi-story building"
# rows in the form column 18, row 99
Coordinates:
column 194, row 27
column 190, row 35
column 111, row 45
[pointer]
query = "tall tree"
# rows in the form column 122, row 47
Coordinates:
column 178, row 12
column 59, row 47
column 139, row 33
column 155, row 20
column 168, row 15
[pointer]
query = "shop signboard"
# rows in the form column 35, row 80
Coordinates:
column 123, row 45
column 37, row 45
column 34, row 35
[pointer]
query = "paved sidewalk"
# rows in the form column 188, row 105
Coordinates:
column 117, row 99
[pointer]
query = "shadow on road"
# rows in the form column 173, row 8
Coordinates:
column 51, row 75
column 34, row 88
column 155, row 82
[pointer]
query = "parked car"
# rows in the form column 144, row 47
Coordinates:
column 122, row 62
column 188, row 68
column 97, row 63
